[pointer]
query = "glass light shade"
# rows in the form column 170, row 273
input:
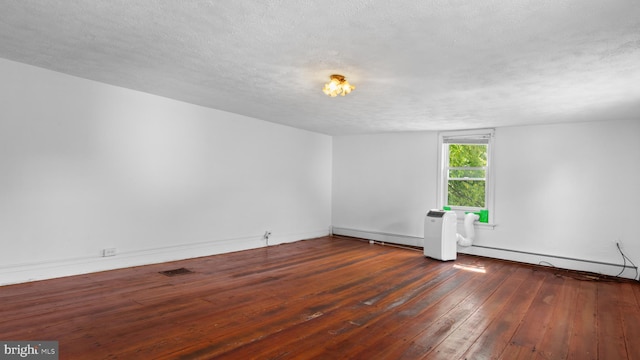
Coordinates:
column 338, row 85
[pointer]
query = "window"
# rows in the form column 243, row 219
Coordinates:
column 465, row 175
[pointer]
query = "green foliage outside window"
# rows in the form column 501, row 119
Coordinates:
column 467, row 175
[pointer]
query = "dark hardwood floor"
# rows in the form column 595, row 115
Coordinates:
column 329, row 298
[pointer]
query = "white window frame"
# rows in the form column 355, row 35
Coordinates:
column 482, row 136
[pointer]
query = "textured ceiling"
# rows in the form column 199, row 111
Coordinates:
column 417, row 65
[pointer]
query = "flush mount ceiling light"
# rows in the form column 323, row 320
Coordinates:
column 338, row 85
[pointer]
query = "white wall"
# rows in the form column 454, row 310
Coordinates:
column 86, row 166
column 384, row 183
column 566, row 190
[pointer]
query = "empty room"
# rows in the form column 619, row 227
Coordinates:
column 319, row 180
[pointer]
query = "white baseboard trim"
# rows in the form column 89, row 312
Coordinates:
column 19, row 273
column 293, row 237
column 562, row 262
column 380, row 236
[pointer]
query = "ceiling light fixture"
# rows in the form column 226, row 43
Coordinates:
column 337, row 86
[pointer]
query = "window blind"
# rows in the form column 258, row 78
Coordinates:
column 467, row 139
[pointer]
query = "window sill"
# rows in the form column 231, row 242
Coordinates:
column 479, row 225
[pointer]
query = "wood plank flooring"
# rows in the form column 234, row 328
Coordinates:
column 329, row 298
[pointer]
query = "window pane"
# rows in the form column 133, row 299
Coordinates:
column 472, row 174
column 466, row 193
column 461, row 155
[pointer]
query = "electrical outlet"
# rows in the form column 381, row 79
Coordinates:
column 108, row 252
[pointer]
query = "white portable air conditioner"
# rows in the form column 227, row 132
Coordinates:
column 440, row 235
